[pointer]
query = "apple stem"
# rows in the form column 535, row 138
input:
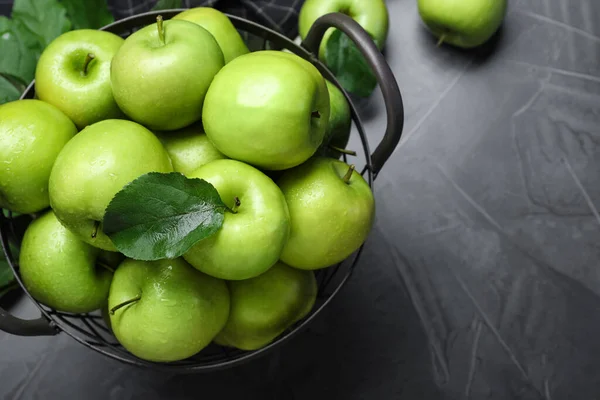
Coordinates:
column 161, row 29
column 105, row 266
column 236, row 205
column 349, row 174
column 442, row 38
column 125, row 303
column 95, row 230
column 343, row 151
column 88, row 59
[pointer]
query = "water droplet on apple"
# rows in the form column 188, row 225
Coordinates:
column 168, row 302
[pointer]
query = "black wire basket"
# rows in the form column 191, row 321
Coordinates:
column 91, row 329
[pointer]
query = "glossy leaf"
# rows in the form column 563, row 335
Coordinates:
column 6, row 275
column 348, row 65
column 88, row 14
column 161, row 216
column 7, row 279
column 167, row 4
column 20, row 50
column 46, row 19
column 8, row 92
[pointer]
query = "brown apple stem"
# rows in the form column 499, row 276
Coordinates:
column 349, row 174
column 106, row 266
column 95, row 230
column 236, row 205
column 125, row 303
column 161, row 29
column 343, row 151
column 442, row 38
column 315, row 114
column 88, row 59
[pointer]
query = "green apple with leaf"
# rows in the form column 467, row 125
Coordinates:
column 166, row 310
column 462, row 23
column 267, row 108
column 262, row 308
column 337, row 51
column 32, row 26
column 162, row 72
column 94, row 166
column 255, row 226
column 218, row 24
column 189, row 148
column 61, row 271
column 372, row 15
column 73, row 74
column 32, row 134
column 331, row 212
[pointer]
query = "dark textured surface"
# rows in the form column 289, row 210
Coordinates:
column 481, row 277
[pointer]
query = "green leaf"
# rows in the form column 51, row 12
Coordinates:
column 167, row 4
column 8, row 92
column 7, row 279
column 6, row 274
column 16, row 82
column 162, row 215
column 89, row 14
column 20, row 50
column 349, row 66
column 47, row 19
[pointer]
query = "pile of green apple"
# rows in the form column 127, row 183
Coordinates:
column 182, row 96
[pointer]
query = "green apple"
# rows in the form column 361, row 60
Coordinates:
column 162, row 72
column 73, row 74
column 61, row 271
column 267, row 108
column 331, row 212
column 189, row 148
column 255, row 229
column 262, row 308
column 32, row 133
column 462, row 23
column 165, row 310
column 372, row 15
column 219, row 25
column 94, row 166
column 340, row 123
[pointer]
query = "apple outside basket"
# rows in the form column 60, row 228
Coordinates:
column 91, row 330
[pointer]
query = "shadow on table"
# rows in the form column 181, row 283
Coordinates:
column 480, row 56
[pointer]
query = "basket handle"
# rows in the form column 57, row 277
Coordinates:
column 14, row 325
column 22, row 327
column 385, row 77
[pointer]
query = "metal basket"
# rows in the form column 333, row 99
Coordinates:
column 91, row 330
